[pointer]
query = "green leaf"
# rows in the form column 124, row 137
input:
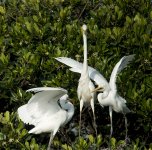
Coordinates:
column 120, row 14
column 91, row 138
column 116, row 9
column 99, row 140
column 128, row 19
column 151, row 14
column 116, row 31
column 1, row 136
column 35, row 18
column 7, row 116
column 113, row 143
column 36, row 28
column 28, row 26
column 66, row 147
column 4, row 58
column 2, row 10
column 137, row 19
column 23, row 133
column 27, row 145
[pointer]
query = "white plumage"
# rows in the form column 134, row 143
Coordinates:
column 95, row 75
column 48, row 110
column 109, row 96
column 114, row 100
column 85, row 85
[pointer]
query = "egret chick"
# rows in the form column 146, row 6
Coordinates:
column 48, row 110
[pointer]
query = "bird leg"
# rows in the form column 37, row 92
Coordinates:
column 50, row 141
column 110, row 113
column 111, row 130
column 94, row 118
column 81, row 106
column 126, row 124
column 99, row 89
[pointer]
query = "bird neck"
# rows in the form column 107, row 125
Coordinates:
column 103, row 101
column 70, row 111
column 85, row 62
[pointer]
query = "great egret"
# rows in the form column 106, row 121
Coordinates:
column 109, row 96
column 85, row 86
column 114, row 100
column 47, row 110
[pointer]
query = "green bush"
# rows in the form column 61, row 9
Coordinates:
column 13, row 135
column 34, row 32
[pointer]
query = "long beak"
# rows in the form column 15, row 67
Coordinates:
column 98, row 89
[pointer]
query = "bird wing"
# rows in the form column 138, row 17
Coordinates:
column 93, row 73
column 124, row 61
column 43, row 103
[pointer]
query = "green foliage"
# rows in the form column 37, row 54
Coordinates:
column 13, row 135
column 34, row 32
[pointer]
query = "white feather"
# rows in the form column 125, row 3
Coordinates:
column 93, row 73
column 45, row 112
column 44, row 102
column 124, row 61
column 24, row 115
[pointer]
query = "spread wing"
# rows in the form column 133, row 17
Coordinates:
column 124, row 61
column 93, row 73
column 43, row 103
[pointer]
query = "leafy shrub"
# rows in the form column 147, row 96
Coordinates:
column 13, row 135
column 34, row 32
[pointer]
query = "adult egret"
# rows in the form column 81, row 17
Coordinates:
column 109, row 96
column 47, row 110
column 85, row 86
column 114, row 100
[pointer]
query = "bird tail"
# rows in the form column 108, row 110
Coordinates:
column 35, row 131
column 124, row 107
column 126, row 110
column 122, row 104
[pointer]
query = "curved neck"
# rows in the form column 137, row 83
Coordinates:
column 70, row 110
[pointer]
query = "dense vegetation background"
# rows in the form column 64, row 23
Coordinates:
column 34, row 32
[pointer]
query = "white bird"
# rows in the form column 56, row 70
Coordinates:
column 114, row 100
column 85, row 86
column 109, row 96
column 48, row 110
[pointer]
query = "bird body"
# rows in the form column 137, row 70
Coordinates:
column 46, row 124
column 48, row 110
column 85, row 85
column 85, row 93
column 114, row 100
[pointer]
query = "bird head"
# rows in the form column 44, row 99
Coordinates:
column 84, row 29
column 65, row 103
column 64, row 98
